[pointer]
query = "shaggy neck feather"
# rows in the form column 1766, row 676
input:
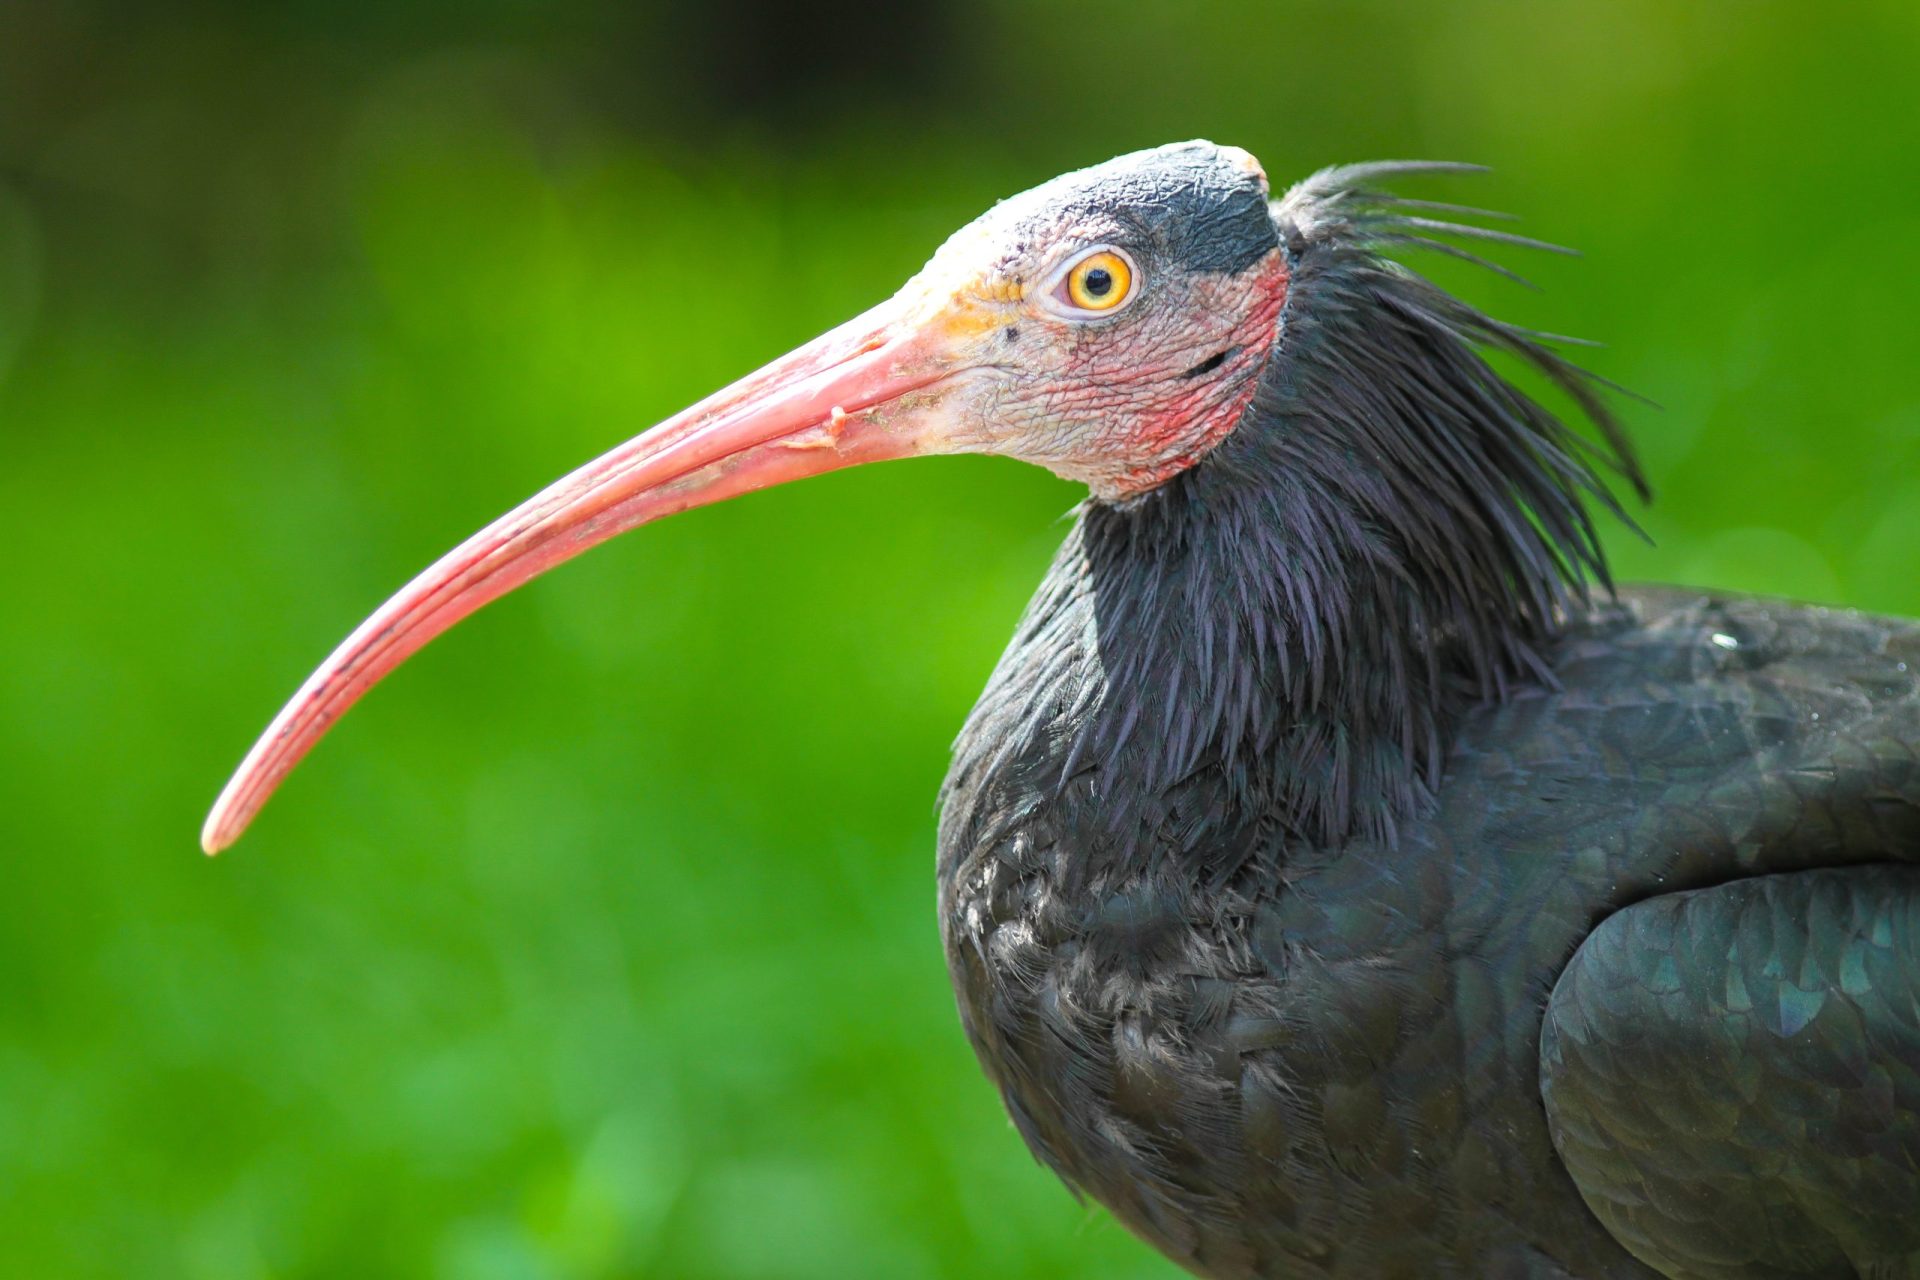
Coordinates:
column 1392, row 533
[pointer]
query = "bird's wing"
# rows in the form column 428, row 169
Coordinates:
column 1732, row 1075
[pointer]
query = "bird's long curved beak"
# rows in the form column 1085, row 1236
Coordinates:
column 869, row 390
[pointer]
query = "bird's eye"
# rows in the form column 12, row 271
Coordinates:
column 1097, row 283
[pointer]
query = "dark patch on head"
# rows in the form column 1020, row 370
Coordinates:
column 1190, row 207
column 1216, row 224
column 1012, row 334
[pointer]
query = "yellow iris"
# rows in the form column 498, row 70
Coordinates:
column 1099, row 282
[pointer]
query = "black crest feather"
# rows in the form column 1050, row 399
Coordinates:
column 1392, row 533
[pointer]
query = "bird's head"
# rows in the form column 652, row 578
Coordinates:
column 1110, row 325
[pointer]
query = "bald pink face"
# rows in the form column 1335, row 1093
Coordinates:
column 1125, row 397
column 1111, row 325
column 1124, row 409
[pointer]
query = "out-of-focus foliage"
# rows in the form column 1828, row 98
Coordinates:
column 601, row 943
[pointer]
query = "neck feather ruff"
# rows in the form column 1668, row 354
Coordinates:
column 1391, row 534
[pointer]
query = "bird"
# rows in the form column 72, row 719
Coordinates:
column 1341, row 876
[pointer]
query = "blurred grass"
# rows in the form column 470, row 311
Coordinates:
column 601, row 943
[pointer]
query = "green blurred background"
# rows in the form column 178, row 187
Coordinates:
column 601, row 943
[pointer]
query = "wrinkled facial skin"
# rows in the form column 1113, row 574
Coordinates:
column 1121, row 400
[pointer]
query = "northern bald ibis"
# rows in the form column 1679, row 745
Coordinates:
column 1335, row 882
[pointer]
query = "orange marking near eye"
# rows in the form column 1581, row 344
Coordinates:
column 966, row 319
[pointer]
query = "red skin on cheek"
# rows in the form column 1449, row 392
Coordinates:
column 1179, row 431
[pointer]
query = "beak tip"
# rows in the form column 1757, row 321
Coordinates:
column 221, row 828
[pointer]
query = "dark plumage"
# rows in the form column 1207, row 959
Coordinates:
column 1339, row 879
column 1308, row 773
column 1391, row 533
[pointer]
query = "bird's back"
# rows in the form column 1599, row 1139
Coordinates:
column 1327, row 1060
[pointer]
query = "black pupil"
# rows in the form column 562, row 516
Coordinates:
column 1098, row 282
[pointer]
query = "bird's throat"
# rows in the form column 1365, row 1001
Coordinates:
column 1186, row 667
